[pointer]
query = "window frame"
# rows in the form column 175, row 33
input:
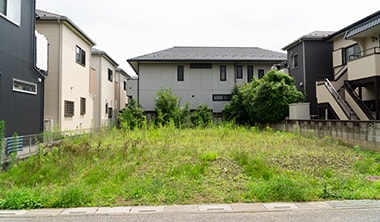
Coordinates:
column 223, row 73
column 180, row 73
column 239, row 72
column 295, row 61
column 250, row 73
column 80, row 56
column 110, row 75
column 23, row 90
column 260, row 73
column 221, row 97
column 349, row 57
column 82, row 106
column 69, row 108
column 4, row 6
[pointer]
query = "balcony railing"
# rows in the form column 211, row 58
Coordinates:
column 367, row 52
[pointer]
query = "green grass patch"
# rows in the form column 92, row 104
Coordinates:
column 220, row 164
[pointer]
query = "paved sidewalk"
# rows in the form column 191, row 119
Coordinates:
column 195, row 209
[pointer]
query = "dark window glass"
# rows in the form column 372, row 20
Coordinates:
column 180, row 74
column 110, row 75
column 82, row 106
column 200, row 66
column 260, row 73
column 350, row 53
column 110, row 112
column 223, row 73
column 239, row 72
column 221, row 97
column 80, row 56
column 295, row 61
column 250, row 73
column 125, row 85
column 69, row 108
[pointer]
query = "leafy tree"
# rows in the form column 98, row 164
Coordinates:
column 264, row 100
column 202, row 116
column 132, row 116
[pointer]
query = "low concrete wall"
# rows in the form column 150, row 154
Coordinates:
column 363, row 133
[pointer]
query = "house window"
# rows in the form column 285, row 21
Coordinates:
column 110, row 75
column 250, row 73
column 80, row 56
column 180, row 73
column 24, row 87
column 82, row 106
column 239, row 72
column 110, row 111
column 106, row 108
column 350, row 53
column 223, row 73
column 69, row 108
column 260, row 73
column 295, row 61
column 221, row 97
column 125, row 85
column 11, row 9
column 200, row 66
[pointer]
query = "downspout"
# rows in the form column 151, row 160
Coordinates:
column 304, row 70
column 59, row 112
column 138, row 84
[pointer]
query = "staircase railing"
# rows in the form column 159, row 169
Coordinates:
column 358, row 101
column 346, row 109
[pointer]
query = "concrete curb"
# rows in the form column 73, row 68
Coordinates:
column 193, row 209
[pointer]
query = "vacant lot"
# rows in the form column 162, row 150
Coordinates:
column 190, row 166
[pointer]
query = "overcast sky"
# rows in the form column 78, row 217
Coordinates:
column 130, row 28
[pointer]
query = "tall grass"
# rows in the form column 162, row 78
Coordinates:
column 171, row 166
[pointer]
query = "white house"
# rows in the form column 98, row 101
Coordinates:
column 200, row 74
column 68, row 100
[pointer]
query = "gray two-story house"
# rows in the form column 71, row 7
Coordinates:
column 21, row 79
column 200, row 75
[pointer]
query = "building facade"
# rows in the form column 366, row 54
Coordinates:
column 354, row 91
column 68, row 99
column 21, row 80
column 200, row 75
column 310, row 60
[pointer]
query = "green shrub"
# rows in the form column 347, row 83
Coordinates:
column 202, row 116
column 2, row 132
column 132, row 116
column 20, row 199
column 73, row 196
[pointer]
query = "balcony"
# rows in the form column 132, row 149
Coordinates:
column 364, row 64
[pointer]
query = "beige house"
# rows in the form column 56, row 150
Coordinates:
column 200, row 75
column 354, row 91
column 68, row 100
column 110, row 88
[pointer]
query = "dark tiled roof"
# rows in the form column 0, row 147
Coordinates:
column 49, row 16
column 212, row 54
column 316, row 35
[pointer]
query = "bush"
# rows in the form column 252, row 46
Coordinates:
column 132, row 116
column 264, row 100
column 2, row 129
column 202, row 116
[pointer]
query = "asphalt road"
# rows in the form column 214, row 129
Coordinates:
column 335, row 215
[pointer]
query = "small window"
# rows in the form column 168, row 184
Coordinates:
column 11, row 10
column 110, row 75
column 200, row 66
column 239, row 72
column 125, row 85
column 180, row 73
column 106, row 108
column 250, row 73
column 82, row 106
column 24, row 87
column 69, row 108
column 261, row 73
column 221, row 97
column 223, row 73
column 295, row 61
column 80, row 56
column 110, row 112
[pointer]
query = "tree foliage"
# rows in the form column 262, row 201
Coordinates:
column 132, row 116
column 264, row 100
